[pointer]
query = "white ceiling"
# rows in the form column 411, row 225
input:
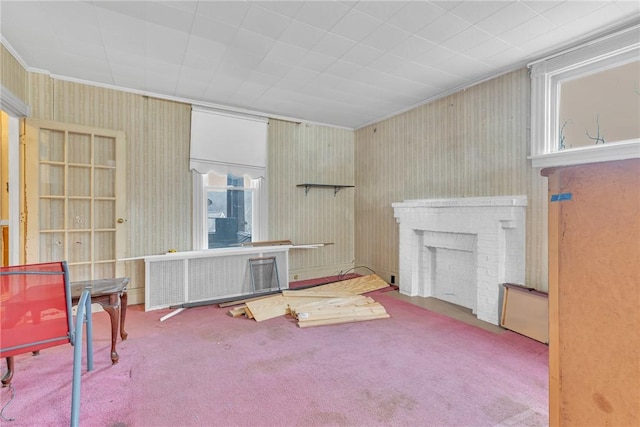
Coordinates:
column 341, row 63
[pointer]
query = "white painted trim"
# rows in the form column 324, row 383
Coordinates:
column 591, row 154
column 11, row 104
column 14, row 190
column 199, row 222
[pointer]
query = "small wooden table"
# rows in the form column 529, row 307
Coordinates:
column 111, row 294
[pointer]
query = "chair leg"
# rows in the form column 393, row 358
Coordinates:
column 6, row 379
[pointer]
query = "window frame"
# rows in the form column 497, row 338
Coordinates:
column 200, row 210
column 547, row 76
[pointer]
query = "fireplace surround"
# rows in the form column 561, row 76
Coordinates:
column 461, row 250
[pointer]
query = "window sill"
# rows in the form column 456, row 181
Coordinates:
column 593, row 154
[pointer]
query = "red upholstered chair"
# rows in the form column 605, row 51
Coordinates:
column 35, row 312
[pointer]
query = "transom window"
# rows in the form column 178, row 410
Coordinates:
column 585, row 102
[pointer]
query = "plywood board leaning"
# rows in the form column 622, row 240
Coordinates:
column 526, row 311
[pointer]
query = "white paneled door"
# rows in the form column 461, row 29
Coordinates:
column 75, row 198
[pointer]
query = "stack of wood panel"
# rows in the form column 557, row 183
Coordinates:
column 338, row 302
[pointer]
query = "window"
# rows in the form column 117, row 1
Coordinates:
column 585, row 102
column 229, row 210
column 228, row 162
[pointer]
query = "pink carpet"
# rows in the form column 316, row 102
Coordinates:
column 204, row 368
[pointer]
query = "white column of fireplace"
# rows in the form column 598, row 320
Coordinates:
column 461, row 250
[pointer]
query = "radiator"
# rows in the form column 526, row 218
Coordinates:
column 189, row 277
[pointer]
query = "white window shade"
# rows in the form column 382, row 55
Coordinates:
column 226, row 143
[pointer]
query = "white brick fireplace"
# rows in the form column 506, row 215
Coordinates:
column 461, row 250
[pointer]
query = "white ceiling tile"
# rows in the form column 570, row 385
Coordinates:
column 607, row 15
column 199, row 47
column 159, row 82
column 209, row 29
column 412, row 71
column 464, row 66
column 205, row 64
column 447, row 4
column 191, row 87
column 193, row 79
column 297, row 78
column 541, row 45
column 265, row 22
column 415, row 15
column 412, row 47
column 386, row 37
column 222, row 86
column 571, row 10
column 355, row 25
column 343, row 69
column 241, row 58
column 285, row 53
column 387, row 63
column 466, row 39
column 628, row 7
column 362, row 54
column 515, row 13
column 435, row 56
column 248, row 93
column 119, row 58
column 285, row 8
column 127, row 76
column 254, row 43
column 380, row 9
column 82, row 48
column 263, row 79
column 273, row 68
column 508, row 57
column 229, row 12
column 133, row 9
column 476, row 11
column 185, row 6
column 301, row 34
column 442, row 79
column 323, row 15
column 66, row 24
column 236, row 69
column 121, row 28
column 316, row 61
column 333, row 45
column 532, row 28
column 164, row 14
column 165, row 44
column 541, row 5
column 320, row 84
column 488, row 48
column 44, row 59
column 444, row 27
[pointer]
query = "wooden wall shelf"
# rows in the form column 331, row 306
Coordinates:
column 335, row 187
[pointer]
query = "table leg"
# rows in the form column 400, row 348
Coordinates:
column 6, row 379
column 123, row 315
column 113, row 308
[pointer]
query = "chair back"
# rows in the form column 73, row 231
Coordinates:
column 34, row 310
column 35, row 313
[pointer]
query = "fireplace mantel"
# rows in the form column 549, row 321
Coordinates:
column 461, row 250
